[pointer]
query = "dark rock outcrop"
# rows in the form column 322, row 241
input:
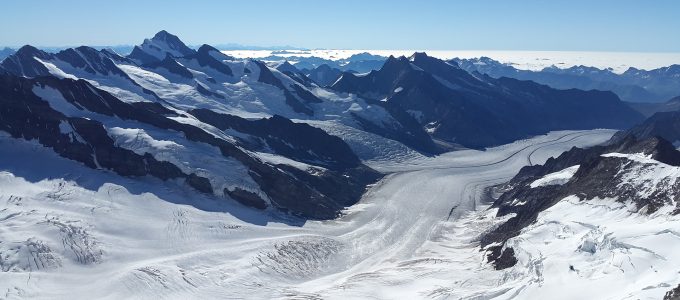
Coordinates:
column 246, row 198
column 172, row 66
column 295, row 140
column 140, row 57
column 673, row 294
column 25, row 115
column 205, row 57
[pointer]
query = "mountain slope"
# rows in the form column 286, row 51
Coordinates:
column 83, row 123
column 637, row 167
column 454, row 106
column 601, row 215
column 324, row 75
column 649, row 109
column 665, row 125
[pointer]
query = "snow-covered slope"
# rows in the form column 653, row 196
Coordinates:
column 603, row 216
column 222, row 156
column 587, row 244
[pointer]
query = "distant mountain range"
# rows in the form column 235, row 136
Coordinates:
column 456, row 107
column 634, row 85
column 358, row 63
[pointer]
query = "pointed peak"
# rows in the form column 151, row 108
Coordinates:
column 393, row 63
column 168, row 38
column 164, row 42
column 422, row 57
column 28, row 49
column 394, row 59
column 205, row 48
column 286, row 66
column 109, row 51
column 418, row 55
column 163, row 35
column 207, row 51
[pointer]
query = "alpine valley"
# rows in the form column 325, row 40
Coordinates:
column 180, row 172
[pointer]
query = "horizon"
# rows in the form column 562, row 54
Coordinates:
column 605, row 26
column 535, row 60
column 227, row 46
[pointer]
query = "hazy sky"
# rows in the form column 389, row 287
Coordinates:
column 588, row 25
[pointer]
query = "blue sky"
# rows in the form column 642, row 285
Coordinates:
column 586, row 25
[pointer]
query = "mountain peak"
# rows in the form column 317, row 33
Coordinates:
column 164, row 43
column 418, row 55
column 163, row 35
column 205, row 48
column 171, row 40
column 364, row 56
column 285, row 66
column 30, row 50
column 396, row 63
column 213, row 52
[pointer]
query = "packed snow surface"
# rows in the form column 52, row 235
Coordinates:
column 69, row 232
column 595, row 249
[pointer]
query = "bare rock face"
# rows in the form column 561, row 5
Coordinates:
column 247, row 198
column 673, row 294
